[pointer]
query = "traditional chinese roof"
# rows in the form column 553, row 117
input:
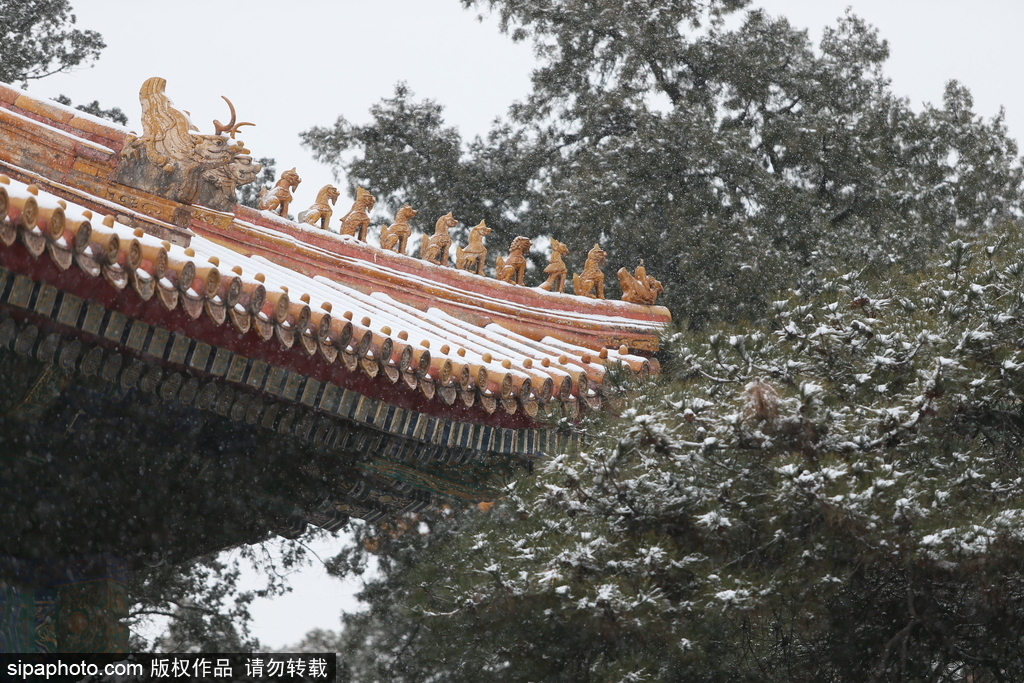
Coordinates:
column 415, row 380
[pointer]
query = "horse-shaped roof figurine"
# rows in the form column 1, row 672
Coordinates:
column 556, row 269
column 434, row 248
column 590, row 282
column 321, row 210
column 357, row 220
column 474, row 256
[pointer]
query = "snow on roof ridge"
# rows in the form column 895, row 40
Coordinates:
column 445, row 275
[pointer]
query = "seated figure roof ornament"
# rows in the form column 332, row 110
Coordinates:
column 357, row 220
column 513, row 268
column 395, row 237
column 279, row 197
column 590, row 282
column 639, row 287
column 556, row 269
column 474, row 257
column 435, row 248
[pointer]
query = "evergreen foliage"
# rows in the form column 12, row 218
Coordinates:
column 410, row 156
column 202, row 604
column 836, row 496
column 831, row 492
column 719, row 146
column 38, row 39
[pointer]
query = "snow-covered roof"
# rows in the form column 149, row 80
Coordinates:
column 284, row 325
column 339, row 329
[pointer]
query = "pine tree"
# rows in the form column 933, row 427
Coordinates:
column 734, row 158
column 38, row 40
column 834, row 496
column 410, row 156
column 201, row 603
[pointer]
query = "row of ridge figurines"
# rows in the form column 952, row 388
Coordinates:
column 637, row 287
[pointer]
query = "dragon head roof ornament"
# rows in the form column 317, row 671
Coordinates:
column 171, row 160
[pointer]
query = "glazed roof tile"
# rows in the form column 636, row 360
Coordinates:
column 445, row 334
column 330, row 320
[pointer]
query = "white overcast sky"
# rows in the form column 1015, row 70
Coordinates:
column 292, row 64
